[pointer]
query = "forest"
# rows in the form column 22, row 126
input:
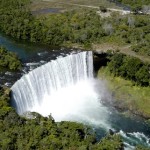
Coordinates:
column 84, row 27
column 130, row 68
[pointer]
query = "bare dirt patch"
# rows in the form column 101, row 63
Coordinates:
column 72, row 4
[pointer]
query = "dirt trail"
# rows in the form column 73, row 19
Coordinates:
column 96, row 7
column 123, row 49
column 121, row 11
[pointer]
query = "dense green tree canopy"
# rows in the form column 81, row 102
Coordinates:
column 130, row 68
column 9, row 60
column 83, row 27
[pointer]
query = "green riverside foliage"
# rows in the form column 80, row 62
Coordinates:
column 40, row 133
column 77, row 27
column 9, row 60
column 130, row 68
column 104, row 145
column 126, row 95
column 83, row 27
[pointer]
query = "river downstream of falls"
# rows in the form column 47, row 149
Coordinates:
column 65, row 88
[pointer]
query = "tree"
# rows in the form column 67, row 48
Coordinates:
column 103, row 9
column 136, row 8
column 143, row 76
column 115, row 62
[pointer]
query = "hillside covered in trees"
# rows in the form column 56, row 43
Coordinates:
column 83, row 28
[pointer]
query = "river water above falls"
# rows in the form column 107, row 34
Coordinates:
column 32, row 55
column 85, row 103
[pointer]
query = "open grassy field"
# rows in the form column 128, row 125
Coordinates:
column 126, row 95
column 68, row 5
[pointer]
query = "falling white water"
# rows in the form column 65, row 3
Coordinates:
column 64, row 88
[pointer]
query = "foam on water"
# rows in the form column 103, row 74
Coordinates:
column 64, row 88
column 78, row 102
column 135, row 138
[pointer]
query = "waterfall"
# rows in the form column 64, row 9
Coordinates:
column 64, row 87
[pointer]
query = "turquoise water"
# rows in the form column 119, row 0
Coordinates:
column 25, row 50
column 32, row 55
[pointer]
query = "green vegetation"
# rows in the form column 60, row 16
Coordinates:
column 127, row 95
column 114, row 143
column 69, row 4
column 130, row 29
column 139, row 5
column 129, row 81
column 54, row 30
column 129, row 68
column 142, row 48
column 9, row 60
column 44, row 133
column 82, row 27
column 141, row 148
column 103, row 9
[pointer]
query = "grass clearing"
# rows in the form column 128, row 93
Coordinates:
column 66, row 6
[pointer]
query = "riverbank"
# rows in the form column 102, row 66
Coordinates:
column 78, row 26
column 126, row 95
column 9, row 60
column 18, row 132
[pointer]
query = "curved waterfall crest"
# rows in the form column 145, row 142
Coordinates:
column 51, row 77
column 65, row 88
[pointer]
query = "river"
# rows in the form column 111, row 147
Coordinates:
column 133, row 130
